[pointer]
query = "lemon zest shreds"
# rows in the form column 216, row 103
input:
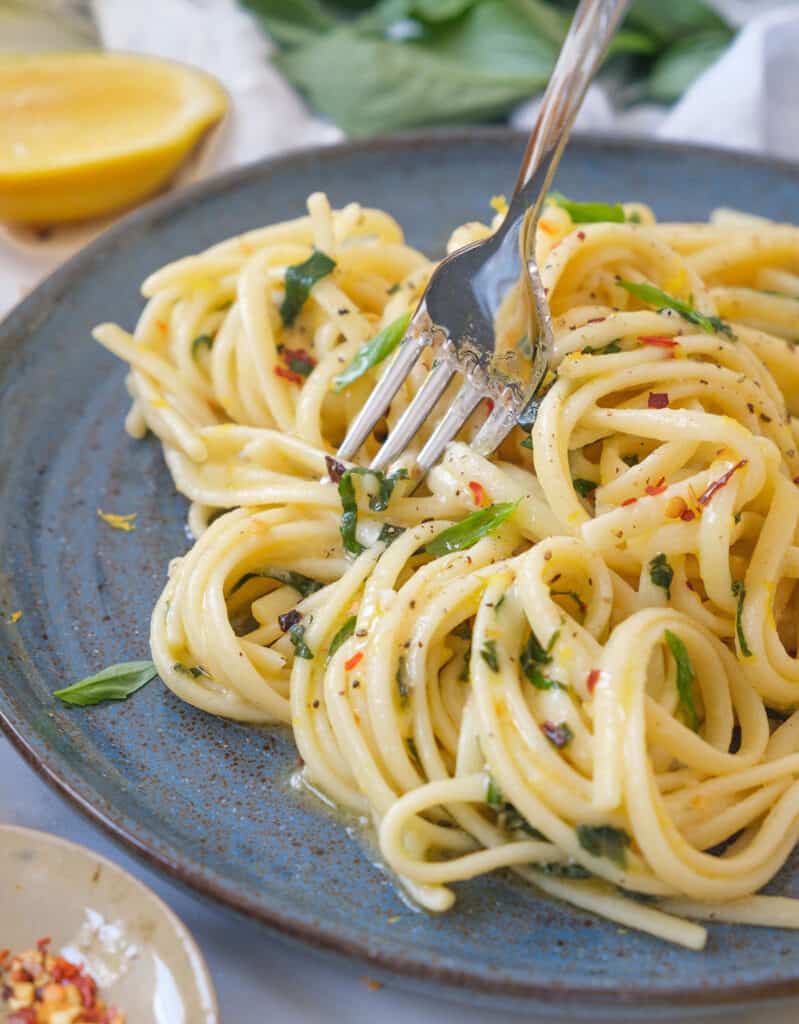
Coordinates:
column 118, row 522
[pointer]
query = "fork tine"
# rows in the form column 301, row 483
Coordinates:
column 458, row 413
column 414, row 416
column 380, row 398
column 493, row 432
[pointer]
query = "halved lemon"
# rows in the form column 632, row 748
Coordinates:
column 85, row 134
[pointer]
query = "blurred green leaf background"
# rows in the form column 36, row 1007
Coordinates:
column 383, row 65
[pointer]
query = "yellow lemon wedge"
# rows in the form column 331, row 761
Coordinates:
column 84, row 134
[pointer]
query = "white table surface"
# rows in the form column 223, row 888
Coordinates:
column 259, row 978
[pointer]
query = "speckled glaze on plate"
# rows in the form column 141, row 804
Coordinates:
column 209, row 801
column 145, row 960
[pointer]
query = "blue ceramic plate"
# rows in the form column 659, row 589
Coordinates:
column 209, row 801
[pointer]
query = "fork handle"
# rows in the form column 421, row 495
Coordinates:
column 585, row 45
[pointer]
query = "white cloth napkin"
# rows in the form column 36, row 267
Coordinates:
column 746, row 100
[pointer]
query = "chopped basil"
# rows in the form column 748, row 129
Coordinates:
column 343, row 634
column 508, row 817
column 300, row 279
column 389, row 532
column 299, row 361
column 568, row 870
column 574, row 596
column 195, row 671
column 661, row 573
column 655, row 297
column 739, row 591
column 604, row 841
column 471, row 529
column 532, row 656
column 304, row 585
column 527, row 442
column 117, row 682
column 604, row 350
column 297, row 638
column 289, row 619
column 685, row 679
column 584, row 487
column 559, row 735
column 402, row 683
column 634, row 217
column 589, row 213
column 463, row 630
column 377, row 502
column 488, row 652
column 202, row 340
column 373, row 352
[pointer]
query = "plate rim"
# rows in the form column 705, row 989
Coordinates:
column 61, row 777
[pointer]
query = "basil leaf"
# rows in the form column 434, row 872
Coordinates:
column 661, row 573
column 373, row 352
column 676, row 19
column 200, row 341
column 377, row 503
column 683, row 62
column 655, row 297
column 349, row 515
column 463, row 630
column 389, row 532
column 304, row 585
column 532, row 656
column 343, row 634
column 604, row 350
column 573, row 596
column 297, row 638
column 117, row 682
column 739, row 591
column 589, row 213
column 584, row 487
column 488, row 652
column 508, row 817
column 685, row 678
column 402, row 683
column 471, row 529
column 493, row 793
column 604, row 841
column 291, row 22
column 300, row 279
column 568, row 870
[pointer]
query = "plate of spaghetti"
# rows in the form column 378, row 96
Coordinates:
column 528, row 731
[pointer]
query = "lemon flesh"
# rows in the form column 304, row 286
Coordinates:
column 86, row 134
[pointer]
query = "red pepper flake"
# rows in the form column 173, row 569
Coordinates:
column 63, row 968
column 592, row 680
column 286, row 374
column 581, row 235
column 87, row 987
column 688, row 515
column 299, row 361
column 42, row 944
column 558, row 735
column 722, row 481
column 628, row 501
column 657, row 400
column 658, row 488
column 20, row 974
column 658, row 340
column 3, row 954
column 478, row 493
column 26, row 1016
column 356, row 659
column 489, row 404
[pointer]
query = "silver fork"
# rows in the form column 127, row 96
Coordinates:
column 461, row 315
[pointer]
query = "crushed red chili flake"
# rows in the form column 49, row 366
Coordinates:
column 628, row 501
column 722, row 481
column 478, row 493
column 658, row 341
column 581, row 235
column 356, row 659
column 688, row 515
column 657, row 400
column 335, row 469
column 489, row 404
column 592, row 680
column 63, row 990
column 658, row 488
column 299, row 360
column 286, row 374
